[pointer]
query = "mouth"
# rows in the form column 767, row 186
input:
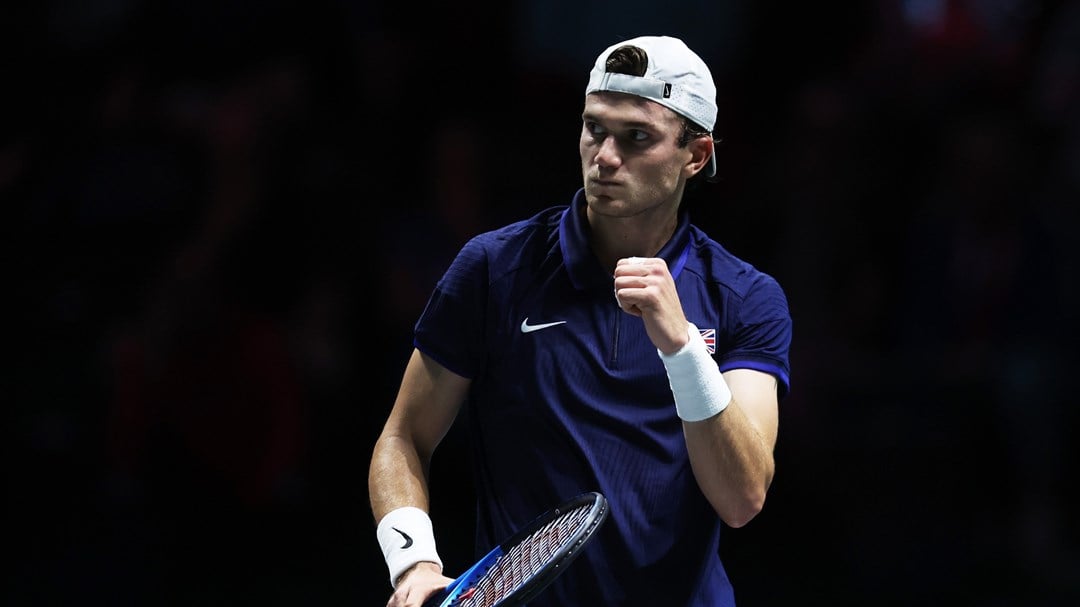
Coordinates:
column 596, row 181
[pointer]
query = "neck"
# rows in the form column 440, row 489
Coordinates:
column 614, row 238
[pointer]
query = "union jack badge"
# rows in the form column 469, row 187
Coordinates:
column 709, row 335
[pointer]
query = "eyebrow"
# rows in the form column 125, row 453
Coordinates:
column 632, row 124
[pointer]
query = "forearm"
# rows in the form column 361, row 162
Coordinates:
column 397, row 476
column 426, row 406
column 730, row 456
column 732, row 462
column 397, row 485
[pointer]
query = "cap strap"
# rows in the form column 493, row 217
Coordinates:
column 635, row 85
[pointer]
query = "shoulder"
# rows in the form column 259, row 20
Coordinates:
column 748, row 295
column 506, row 247
column 539, row 224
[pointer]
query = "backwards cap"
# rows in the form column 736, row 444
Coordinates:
column 675, row 78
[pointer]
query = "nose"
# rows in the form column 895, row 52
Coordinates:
column 607, row 155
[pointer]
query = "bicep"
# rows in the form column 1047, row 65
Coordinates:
column 427, row 403
column 756, row 394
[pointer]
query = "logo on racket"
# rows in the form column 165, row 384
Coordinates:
column 408, row 540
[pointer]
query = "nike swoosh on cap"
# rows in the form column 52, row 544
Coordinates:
column 527, row 328
column 408, row 540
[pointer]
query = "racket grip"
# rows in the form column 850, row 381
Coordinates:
column 461, row 587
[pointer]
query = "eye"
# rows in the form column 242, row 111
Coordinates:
column 637, row 135
column 594, row 129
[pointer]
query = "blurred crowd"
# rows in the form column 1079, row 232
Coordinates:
column 227, row 218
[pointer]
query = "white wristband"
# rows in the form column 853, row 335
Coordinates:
column 406, row 538
column 699, row 389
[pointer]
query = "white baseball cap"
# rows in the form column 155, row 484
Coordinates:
column 676, row 77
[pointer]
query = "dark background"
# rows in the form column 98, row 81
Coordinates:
column 224, row 217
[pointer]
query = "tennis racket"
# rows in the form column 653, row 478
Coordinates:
column 522, row 566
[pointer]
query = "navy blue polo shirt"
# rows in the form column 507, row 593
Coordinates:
column 569, row 395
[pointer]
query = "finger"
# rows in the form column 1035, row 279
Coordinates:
column 629, row 308
column 631, row 263
column 631, row 281
column 623, row 297
column 634, row 270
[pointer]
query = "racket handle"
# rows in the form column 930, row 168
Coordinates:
column 462, row 587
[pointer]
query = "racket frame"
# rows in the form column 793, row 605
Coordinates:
column 462, row 587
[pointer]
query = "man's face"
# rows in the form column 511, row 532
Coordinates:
column 630, row 158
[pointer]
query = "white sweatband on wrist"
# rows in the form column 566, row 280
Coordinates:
column 699, row 389
column 406, row 538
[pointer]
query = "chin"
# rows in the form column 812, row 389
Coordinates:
column 602, row 204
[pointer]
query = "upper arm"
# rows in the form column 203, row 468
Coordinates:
column 756, row 393
column 427, row 403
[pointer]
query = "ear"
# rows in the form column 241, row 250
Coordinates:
column 701, row 150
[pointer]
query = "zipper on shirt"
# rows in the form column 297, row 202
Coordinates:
column 615, row 336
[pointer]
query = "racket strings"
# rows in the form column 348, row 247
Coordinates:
column 527, row 558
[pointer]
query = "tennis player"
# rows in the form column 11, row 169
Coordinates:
column 606, row 345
